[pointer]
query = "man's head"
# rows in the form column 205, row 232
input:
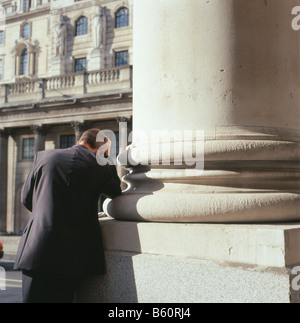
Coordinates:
column 91, row 139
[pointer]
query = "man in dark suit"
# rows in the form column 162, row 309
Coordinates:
column 62, row 242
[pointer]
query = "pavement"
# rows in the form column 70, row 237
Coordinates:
column 11, row 281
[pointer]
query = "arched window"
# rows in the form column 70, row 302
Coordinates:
column 122, row 18
column 26, row 31
column 81, row 26
column 24, row 62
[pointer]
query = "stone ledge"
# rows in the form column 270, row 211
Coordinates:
column 145, row 278
column 271, row 245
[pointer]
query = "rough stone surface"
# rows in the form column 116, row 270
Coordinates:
column 145, row 278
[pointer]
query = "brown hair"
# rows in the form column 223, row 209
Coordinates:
column 90, row 137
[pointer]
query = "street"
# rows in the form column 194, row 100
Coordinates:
column 13, row 281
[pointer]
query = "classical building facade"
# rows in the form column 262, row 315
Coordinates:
column 65, row 65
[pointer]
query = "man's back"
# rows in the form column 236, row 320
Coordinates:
column 62, row 191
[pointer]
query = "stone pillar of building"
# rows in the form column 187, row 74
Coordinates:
column 39, row 136
column 230, row 69
column 19, row 6
column 79, row 128
column 34, row 4
column 123, row 133
column 13, row 150
column 3, row 180
column 124, row 128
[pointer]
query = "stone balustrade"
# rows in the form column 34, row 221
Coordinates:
column 60, row 82
column 21, row 88
column 72, row 85
column 98, row 77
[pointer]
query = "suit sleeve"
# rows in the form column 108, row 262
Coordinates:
column 112, row 187
column 27, row 189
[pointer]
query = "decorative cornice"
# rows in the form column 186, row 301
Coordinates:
column 66, row 102
column 27, row 15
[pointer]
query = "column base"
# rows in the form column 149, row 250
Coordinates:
column 193, row 263
column 233, row 179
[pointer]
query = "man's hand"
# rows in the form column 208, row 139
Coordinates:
column 103, row 152
column 108, row 145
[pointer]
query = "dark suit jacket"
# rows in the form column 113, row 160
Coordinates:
column 62, row 191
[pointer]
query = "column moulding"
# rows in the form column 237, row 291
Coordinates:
column 243, row 92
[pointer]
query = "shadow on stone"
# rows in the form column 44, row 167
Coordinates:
column 118, row 284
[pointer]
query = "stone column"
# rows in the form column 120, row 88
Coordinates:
column 34, row 4
column 31, row 62
column 123, row 133
column 39, row 137
column 12, row 157
column 3, row 179
column 229, row 68
column 19, row 6
column 17, row 65
column 123, row 142
column 79, row 128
